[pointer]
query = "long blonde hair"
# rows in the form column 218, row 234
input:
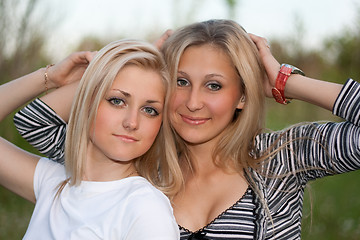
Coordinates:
column 234, row 148
column 159, row 164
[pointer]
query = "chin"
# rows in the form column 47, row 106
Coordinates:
column 122, row 157
column 194, row 140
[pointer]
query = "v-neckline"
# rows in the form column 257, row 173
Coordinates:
column 217, row 217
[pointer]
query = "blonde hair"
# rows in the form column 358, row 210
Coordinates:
column 159, row 164
column 234, row 148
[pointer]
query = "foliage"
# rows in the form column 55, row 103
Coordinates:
column 346, row 50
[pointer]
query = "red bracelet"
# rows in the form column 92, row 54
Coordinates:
column 278, row 91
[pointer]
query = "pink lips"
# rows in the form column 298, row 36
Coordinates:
column 126, row 138
column 194, row 120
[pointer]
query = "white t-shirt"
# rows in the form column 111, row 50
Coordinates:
column 129, row 208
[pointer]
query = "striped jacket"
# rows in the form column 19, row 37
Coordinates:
column 305, row 152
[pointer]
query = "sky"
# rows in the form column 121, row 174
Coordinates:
column 112, row 19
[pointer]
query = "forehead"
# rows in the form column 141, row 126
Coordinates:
column 207, row 58
column 140, row 82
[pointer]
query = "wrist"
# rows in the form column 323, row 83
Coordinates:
column 48, row 84
column 278, row 91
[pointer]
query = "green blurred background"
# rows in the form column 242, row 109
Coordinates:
column 332, row 205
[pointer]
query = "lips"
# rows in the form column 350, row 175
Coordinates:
column 126, row 138
column 194, row 120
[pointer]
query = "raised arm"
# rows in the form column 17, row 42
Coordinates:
column 317, row 92
column 65, row 76
column 43, row 122
column 319, row 149
column 17, row 167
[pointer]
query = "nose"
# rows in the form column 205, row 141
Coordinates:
column 194, row 101
column 131, row 120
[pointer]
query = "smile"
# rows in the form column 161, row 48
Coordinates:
column 194, row 120
column 126, row 138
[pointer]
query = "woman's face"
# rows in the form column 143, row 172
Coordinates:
column 129, row 117
column 206, row 96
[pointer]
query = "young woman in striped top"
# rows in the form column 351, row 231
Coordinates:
column 240, row 182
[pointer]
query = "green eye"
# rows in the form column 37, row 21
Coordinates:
column 116, row 101
column 150, row 111
column 182, row 82
column 214, row 86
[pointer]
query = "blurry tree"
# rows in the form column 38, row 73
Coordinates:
column 91, row 44
column 22, row 38
column 22, row 49
column 22, row 44
column 183, row 13
column 293, row 49
column 345, row 51
column 231, row 4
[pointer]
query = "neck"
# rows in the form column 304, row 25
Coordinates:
column 201, row 158
column 100, row 168
column 111, row 171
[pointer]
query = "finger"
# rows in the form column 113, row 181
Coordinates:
column 260, row 42
column 271, row 64
column 84, row 57
column 90, row 55
column 158, row 43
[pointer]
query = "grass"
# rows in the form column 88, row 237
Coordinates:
column 335, row 210
column 15, row 215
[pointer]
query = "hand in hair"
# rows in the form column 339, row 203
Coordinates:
column 317, row 92
column 271, row 65
column 69, row 69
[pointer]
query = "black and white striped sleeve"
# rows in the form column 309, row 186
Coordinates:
column 315, row 150
column 347, row 105
column 38, row 124
column 335, row 147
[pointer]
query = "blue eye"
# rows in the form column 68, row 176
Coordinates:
column 182, row 82
column 150, row 111
column 214, row 86
column 116, row 101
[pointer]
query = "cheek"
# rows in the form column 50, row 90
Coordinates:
column 177, row 101
column 153, row 128
column 174, row 101
column 224, row 106
column 103, row 120
column 150, row 131
column 100, row 120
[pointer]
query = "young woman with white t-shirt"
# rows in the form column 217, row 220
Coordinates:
column 106, row 188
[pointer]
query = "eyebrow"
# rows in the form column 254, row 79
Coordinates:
column 128, row 95
column 207, row 75
column 214, row 75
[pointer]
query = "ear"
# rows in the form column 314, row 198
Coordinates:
column 241, row 102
